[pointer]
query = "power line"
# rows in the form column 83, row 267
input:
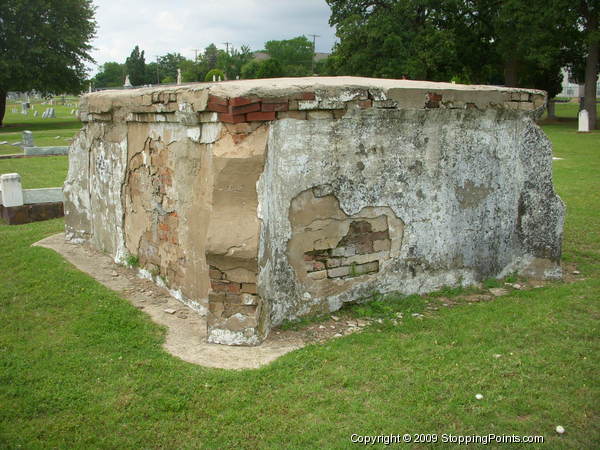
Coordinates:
column 196, row 50
column 312, row 60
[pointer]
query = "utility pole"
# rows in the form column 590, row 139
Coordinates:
column 227, row 46
column 312, row 60
column 157, row 75
column 195, row 54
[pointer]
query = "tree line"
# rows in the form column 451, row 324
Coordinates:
column 518, row 43
column 291, row 57
column 44, row 45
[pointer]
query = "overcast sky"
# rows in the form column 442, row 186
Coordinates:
column 163, row 26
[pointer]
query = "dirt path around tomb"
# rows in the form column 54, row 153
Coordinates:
column 186, row 329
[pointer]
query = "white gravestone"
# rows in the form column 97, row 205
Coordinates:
column 27, row 139
column 178, row 76
column 12, row 193
column 584, row 121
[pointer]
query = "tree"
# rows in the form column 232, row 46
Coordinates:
column 217, row 74
column 211, row 54
column 136, row 67
column 44, row 45
column 293, row 55
column 270, row 68
column 112, row 74
column 589, row 12
column 250, row 70
column 168, row 65
column 394, row 39
column 192, row 71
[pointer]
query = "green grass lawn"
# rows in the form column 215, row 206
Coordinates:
column 38, row 172
column 80, row 367
column 46, row 132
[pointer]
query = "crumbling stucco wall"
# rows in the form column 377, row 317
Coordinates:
column 264, row 200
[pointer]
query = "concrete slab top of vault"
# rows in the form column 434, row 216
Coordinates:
column 185, row 338
column 285, row 86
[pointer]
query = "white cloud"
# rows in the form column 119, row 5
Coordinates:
column 160, row 26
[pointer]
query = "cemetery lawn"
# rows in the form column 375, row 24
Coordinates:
column 81, row 367
column 38, row 172
column 46, row 132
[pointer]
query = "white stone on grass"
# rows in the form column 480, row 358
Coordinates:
column 560, row 429
column 478, row 396
column 584, row 121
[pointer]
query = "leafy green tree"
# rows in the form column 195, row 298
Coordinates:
column 393, row 39
column 250, row 70
column 214, row 73
column 210, row 57
column 293, row 55
column 583, row 59
column 112, row 74
column 192, row 71
column 44, row 45
column 152, row 73
column 136, row 67
column 168, row 65
column 270, row 68
column 231, row 63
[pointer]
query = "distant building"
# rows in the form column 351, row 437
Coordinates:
column 570, row 89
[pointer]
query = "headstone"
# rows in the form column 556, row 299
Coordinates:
column 178, row 76
column 35, row 114
column 584, row 122
column 127, row 82
column 49, row 114
column 27, row 138
column 24, row 108
column 12, row 193
column 90, row 88
column 214, row 78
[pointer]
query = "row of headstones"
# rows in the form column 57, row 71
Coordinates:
column 48, row 113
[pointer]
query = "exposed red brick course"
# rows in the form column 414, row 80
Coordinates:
column 261, row 116
column 216, row 107
column 224, row 286
column 240, row 101
column 275, row 106
column 232, row 118
column 251, row 107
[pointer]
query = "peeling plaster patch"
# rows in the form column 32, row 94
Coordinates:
column 210, row 132
column 194, row 134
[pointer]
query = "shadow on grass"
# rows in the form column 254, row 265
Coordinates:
column 39, row 126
